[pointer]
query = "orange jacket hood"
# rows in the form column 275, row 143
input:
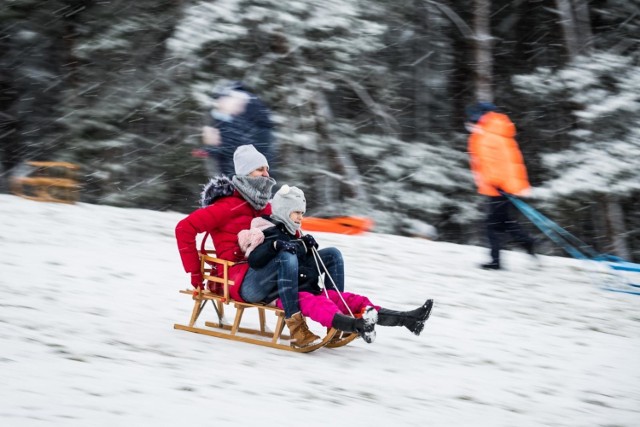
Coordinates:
column 497, row 123
column 496, row 160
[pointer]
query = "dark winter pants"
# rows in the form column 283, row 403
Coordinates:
column 499, row 220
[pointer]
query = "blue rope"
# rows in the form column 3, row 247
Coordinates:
column 622, row 291
column 571, row 244
column 557, row 234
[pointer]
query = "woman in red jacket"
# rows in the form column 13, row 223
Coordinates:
column 237, row 202
column 498, row 166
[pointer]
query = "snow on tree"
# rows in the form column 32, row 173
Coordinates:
column 119, row 99
column 603, row 156
column 601, row 164
column 302, row 57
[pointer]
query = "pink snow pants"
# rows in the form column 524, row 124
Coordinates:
column 322, row 309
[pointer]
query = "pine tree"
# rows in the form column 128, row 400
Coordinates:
column 119, row 106
column 601, row 163
column 319, row 66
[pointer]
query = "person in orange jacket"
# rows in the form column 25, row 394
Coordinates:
column 498, row 167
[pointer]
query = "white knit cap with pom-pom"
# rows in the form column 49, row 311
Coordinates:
column 286, row 200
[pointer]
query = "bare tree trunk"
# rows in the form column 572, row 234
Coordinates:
column 617, row 229
column 576, row 26
column 568, row 24
column 422, row 69
column 483, row 50
column 575, row 22
column 583, row 24
column 341, row 170
column 597, row 221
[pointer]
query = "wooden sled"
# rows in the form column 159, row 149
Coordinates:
column 48, row 182
column 342, row 225
column 209, row 265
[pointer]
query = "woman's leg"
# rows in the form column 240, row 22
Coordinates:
column 281, row 274
column 333, row 261
column 356, row 303
column 413, row 320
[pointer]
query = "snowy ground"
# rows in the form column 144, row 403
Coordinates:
column 89, row 296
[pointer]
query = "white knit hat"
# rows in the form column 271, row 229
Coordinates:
column 246, row 159
column 286, row 200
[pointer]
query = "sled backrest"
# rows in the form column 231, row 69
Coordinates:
column 215, row 270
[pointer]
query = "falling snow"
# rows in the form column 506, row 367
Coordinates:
column 90, row 295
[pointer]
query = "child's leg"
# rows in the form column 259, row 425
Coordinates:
column 316, row 307
column 355, row 302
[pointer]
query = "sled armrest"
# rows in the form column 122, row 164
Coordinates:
column 216, row 270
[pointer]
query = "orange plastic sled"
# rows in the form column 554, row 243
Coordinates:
column 340, row 224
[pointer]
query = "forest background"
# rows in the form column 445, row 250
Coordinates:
column 368, row 99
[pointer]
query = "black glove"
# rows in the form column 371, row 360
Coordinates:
column 283, row 245
column 310, row 241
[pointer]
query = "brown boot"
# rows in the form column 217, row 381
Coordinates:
column 301, row 336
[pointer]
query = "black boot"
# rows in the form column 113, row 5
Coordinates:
column 530, row 247
column 493, row 265
column 413, row 320
column 364, row 326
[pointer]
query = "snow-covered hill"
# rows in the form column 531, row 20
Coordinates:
column 89, row 296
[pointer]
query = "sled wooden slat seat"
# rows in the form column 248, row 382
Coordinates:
column 260, row 335
column 48, row 182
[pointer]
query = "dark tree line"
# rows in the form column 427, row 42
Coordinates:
column 368, row 98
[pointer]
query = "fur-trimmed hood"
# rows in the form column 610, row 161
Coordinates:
column 217, row 187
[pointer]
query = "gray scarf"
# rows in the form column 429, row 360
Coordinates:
column 255, row 189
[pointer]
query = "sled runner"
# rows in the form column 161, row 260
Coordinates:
column 605, row 263
column 219, row 298
column 47, row 182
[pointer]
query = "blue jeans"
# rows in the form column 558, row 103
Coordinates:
column 281, row 274
column 332, row 259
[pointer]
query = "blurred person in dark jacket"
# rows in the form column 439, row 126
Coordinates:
column 239, row 118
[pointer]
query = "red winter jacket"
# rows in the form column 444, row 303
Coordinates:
column 223, row 220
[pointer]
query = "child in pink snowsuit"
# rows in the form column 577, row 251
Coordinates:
column 273, row 237
column 323, row 309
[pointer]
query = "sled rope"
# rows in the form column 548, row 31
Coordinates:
column 579, row 249
column 565, row 240
column 318, row 261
